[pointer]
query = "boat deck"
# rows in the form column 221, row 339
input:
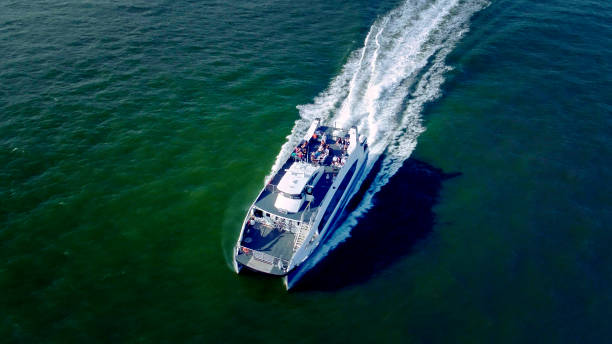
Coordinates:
column 270, row 239
column 266, row 200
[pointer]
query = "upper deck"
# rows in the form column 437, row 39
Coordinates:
column 332, row 161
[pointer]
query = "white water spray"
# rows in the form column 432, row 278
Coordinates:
column 383, row 87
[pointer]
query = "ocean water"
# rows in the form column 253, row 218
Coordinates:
column 135, row 134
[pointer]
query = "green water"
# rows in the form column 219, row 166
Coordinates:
column 134, row 135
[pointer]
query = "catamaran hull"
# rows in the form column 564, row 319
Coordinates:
column 295, row 275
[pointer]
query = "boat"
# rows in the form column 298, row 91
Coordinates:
column 303, row 203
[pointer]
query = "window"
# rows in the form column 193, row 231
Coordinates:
column 291, row 196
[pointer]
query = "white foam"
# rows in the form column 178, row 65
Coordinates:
column 383, row 87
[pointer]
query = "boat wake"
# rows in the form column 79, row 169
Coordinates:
column 383, row 88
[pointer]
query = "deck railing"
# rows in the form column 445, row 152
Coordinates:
column 262, row 256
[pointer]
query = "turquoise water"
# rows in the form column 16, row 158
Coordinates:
column 135, row 134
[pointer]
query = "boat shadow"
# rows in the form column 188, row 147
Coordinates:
column 402, row 215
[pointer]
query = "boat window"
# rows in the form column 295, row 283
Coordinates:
column 291, row 196
column 336, row 198
column 258, row 213
column 268, row 214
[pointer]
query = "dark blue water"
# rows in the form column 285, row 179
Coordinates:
column 134, row 135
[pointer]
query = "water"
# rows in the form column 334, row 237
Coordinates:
column 135, row 135
column 383, row 87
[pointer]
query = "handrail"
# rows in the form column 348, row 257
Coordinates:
column 304, row 229
column 261, row 255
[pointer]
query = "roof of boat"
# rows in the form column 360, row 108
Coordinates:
column 294, row 181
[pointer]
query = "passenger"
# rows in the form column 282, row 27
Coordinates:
column 326, row 154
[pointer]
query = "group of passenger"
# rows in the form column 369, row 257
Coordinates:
column 344, row 143
column 300, row 152
column 339, row 161
column 318, row 156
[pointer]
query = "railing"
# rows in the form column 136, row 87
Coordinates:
column 261, row 256
column 304, row 229
column 300, row 237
